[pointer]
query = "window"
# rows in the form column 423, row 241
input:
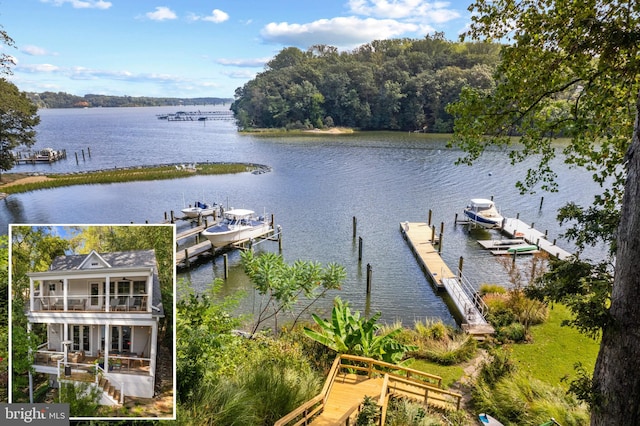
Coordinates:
column 80, row 338
column 52, row 287
column 95, row 294
column 139, row 287
column 120, row 338
column 124, row 288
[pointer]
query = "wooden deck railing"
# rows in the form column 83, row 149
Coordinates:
column 397, row 379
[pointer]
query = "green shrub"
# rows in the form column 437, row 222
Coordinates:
column 448, row 352
column 491, row 289
column 517, row 399
column 514, row 332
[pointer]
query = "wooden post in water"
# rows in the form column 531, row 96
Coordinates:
column 429, row 220
column 355, row 227
column 359, row 249
column 369, row 274
column 186, row 258
column 460, row 264
column 225, row 257
column 173, row 218
column 541, row 201
column 440, row 244
column 518, row 215
column 279, row 238
column 76, row 158
column 433, row 234
column 441, row 228
column 83, row 155
column 532, row 225
column 89, row 151
column 165, row 216
column 455, row 220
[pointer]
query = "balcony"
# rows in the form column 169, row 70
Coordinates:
column 85, row 303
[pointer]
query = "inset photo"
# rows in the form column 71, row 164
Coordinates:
column 91, row 319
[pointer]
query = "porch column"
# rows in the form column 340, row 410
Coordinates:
column 31, row 290
column 149, row 290
column 65, row 294
column 107, row 295
column 153, row 348
column 107, row 343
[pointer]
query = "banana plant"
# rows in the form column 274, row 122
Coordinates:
column 349, row 333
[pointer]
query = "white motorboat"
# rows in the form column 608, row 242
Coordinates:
column 237, row 225
column 484, row 213
column 202, row 209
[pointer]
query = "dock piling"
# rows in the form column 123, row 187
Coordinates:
column 429, row 219
column 355, row 227
column 369, row 274
column 541, row 201
column 226, row 265
column 440, row 244
column 77, row 163
column 460, row 264
column 359, row 249
column 433, row 234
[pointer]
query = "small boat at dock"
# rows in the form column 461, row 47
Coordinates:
column 237, row 225
column 202, row 209
column 484, row 213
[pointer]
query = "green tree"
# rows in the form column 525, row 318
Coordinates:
column 32, row 249
column 281, row 286
column 572, row 68
column 18, row 115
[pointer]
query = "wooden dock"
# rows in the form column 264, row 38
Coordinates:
column 469, row 305
column 186, row 256
column 515, row 228
column 421, row 241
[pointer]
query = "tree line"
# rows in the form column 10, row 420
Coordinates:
column 398, row 84
column 66, row 100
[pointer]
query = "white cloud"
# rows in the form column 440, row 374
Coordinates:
column 38, row 68
column 34, row 50
column 162, row 13
column 82, row 4
column 345, row 32
column 217, row 16
column 249, row 63
column 412, row 10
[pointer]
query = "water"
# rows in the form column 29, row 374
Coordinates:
column 316, row 186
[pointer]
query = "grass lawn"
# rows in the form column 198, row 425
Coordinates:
column 449, row 373
column 555, row 349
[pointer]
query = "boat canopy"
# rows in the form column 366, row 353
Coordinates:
column 238, row 213
column 482, row 203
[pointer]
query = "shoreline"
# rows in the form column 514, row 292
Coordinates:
column 13, row 183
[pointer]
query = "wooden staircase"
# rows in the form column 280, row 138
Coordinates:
column 109, row 389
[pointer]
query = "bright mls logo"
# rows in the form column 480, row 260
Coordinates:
column 36, row 414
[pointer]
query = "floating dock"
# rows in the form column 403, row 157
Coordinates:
column 515, row 228
column 507, row 247
column 421, row 240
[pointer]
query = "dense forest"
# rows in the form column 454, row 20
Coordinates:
column 397, row 84
column 66, row 100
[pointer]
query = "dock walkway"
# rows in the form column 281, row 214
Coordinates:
column 469, row 305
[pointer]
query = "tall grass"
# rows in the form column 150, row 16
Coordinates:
column 518, row 399
column 128, row 175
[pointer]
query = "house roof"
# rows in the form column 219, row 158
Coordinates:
column 117, row 259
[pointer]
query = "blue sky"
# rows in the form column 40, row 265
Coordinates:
column 193, row 48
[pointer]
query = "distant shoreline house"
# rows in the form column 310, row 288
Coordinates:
column 101, row 314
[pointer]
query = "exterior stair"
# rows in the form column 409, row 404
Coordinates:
column 109, row 390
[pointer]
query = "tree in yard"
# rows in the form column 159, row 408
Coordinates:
column 18, row 115
column 281, row 286
column 572, row 68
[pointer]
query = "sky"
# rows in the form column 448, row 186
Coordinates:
column 194, row 48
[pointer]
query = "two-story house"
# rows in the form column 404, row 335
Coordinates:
column 101, row 315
